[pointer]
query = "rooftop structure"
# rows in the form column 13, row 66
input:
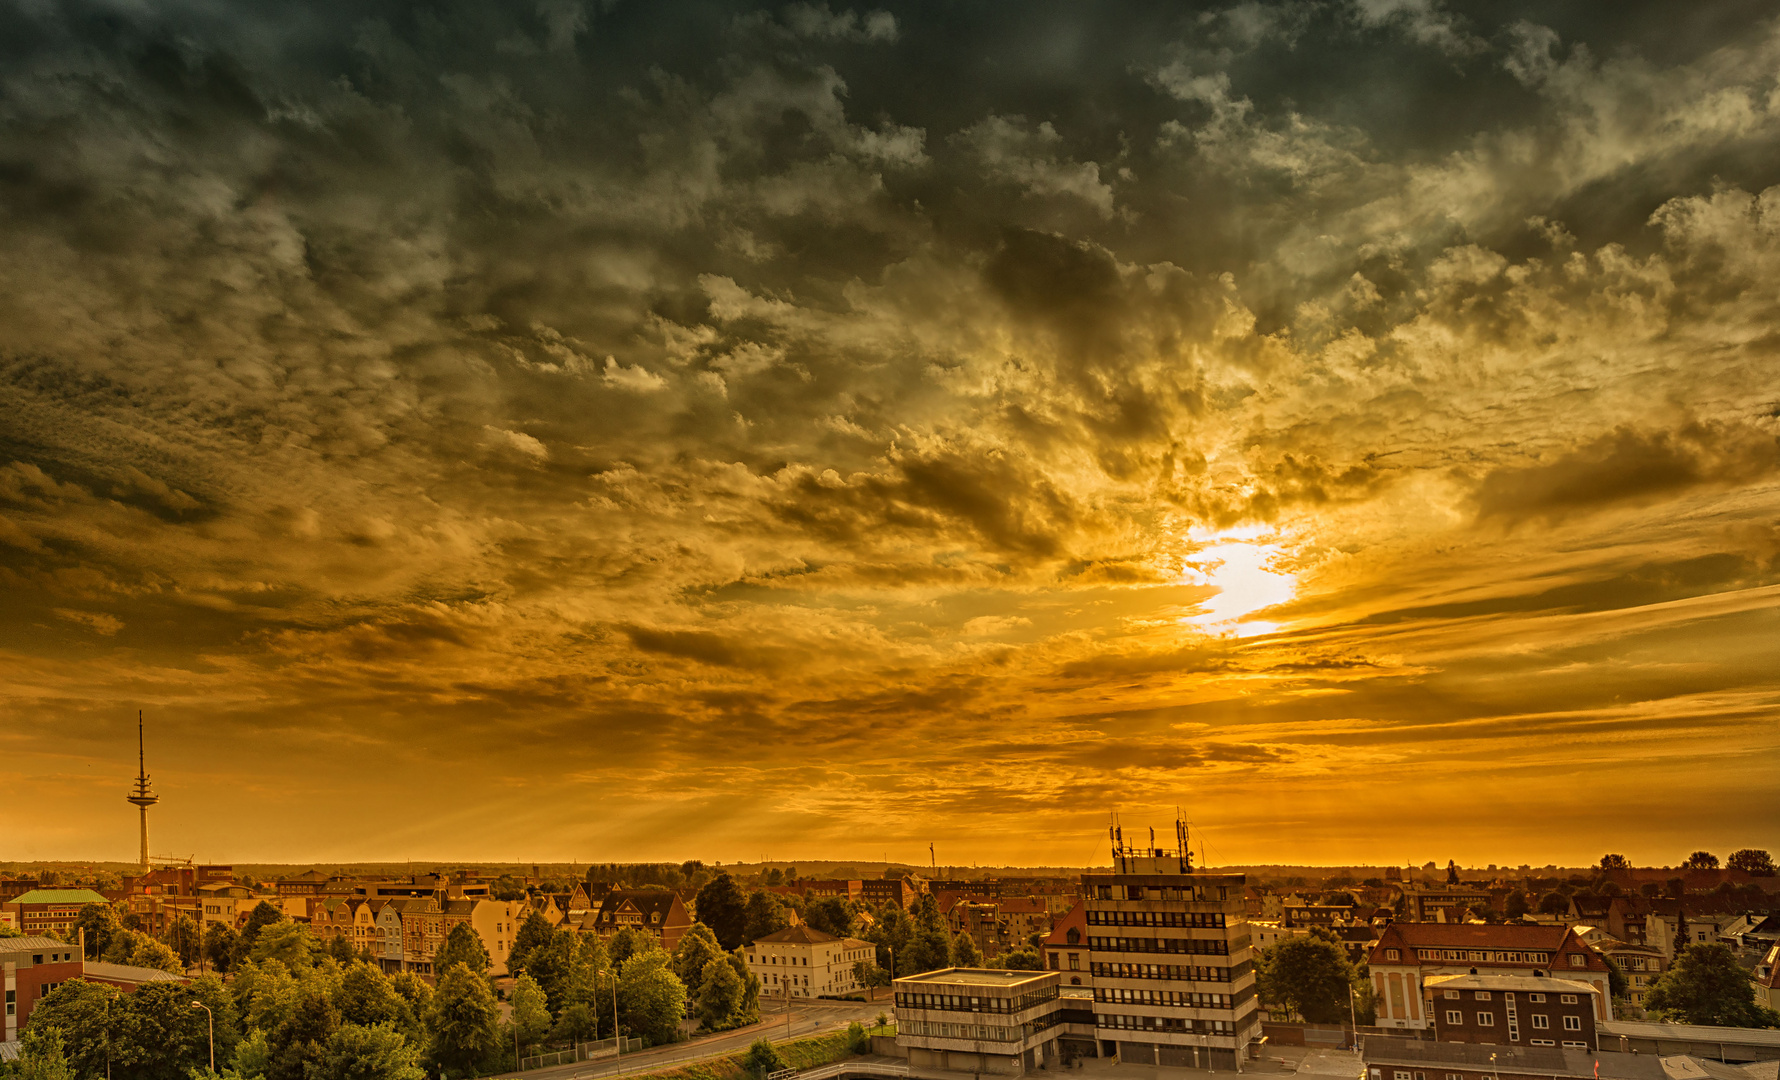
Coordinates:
column 979, row 1020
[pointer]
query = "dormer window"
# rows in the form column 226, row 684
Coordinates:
column 1393, row 954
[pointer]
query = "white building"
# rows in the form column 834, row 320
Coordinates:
column 801, row 962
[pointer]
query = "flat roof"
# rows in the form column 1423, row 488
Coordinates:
column 1640, row 1029
column 974, row 977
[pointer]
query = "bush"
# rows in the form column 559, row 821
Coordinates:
column 763, row 1058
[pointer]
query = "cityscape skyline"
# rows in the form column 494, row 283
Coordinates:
column 645, row 431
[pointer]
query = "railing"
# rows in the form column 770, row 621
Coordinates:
column 858, row 1068
column 587, row 1051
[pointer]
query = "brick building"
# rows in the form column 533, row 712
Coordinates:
column 1512, row 1010
column 1407, row 954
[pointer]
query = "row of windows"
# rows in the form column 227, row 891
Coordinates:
column 1160, row 892
column 1487, row 956
column 1163, row 1023
column 1200, row 919
column 1540, row 1020
column 963, row 1003
column 1195, row 946
column 1177, row 998
column 1178, row 972
column 1537, row 999
column 979, row 1032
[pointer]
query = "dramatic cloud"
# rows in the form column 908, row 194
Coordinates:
column 608, row 430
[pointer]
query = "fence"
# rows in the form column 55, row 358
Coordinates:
column 587, row 1051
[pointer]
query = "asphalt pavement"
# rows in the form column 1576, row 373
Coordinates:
column 804, row 1020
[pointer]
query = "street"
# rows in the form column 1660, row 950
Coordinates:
column 806, row 1019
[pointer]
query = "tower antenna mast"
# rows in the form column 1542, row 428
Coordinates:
column 142, row 795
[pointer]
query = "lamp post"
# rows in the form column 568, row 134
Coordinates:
column 211, row 1017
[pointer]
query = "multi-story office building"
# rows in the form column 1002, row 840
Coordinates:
column 1172, row 966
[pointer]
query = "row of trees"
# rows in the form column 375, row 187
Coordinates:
column 292, row 1010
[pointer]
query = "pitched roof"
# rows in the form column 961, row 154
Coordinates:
column 1077, row 920
column 59, row 896
column 646, row 901
column 796, row 935
column 1513, row 937
column 26, row 944
column 128, row 973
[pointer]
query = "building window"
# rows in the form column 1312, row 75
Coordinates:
column 1541, row 1021
column 1486, row 1019
column 1452, row 995
column 1482, row 995
column 1568, row 999
column 1392, row 954
column 1572, row 1023
column 1537, row 999
column 1454, row 1016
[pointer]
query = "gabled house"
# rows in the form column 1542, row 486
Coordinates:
column 1066, row 949
column 658, row 912
column 389, row 933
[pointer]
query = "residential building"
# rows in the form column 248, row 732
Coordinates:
column 1443, row 905
column 1641, row 965
column 422, row 923
column 1766, row 977
column 1407, row 954
column 389, row 933
column 880, row 891
column 970, row 1020
column 1066, row 949
column 1388, row 1057
column 1173, row 967
column 33, row 966
column 802, row 962
column 658, row 912
column 220, row 902
column 41, row 911
column 1319, row 915
column 1512, row 1010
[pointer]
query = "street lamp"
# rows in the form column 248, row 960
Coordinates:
column 211, row 1017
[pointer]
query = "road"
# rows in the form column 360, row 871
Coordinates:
column 805, row 1020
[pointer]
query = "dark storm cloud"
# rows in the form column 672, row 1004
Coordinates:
column 416, row 382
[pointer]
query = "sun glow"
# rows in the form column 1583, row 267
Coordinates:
column 1236, row 563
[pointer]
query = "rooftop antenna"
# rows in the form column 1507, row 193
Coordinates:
column 142, row 796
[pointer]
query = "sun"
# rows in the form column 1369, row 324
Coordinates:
column 1237, row 563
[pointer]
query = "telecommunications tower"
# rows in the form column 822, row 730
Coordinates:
column 142, row 796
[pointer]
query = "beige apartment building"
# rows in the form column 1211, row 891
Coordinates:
column 801, row 962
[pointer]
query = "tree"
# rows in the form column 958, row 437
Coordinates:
column 1752, row 861
column 553, row 965
column 376, row 1052
column 831, row 915
column 762, row 1058
column 531, row 1017
column 99, row 923
column 366, row 998
column 722, row 907
column 697, row 948
column 1615, row 862
column 302, row 1038
column 1309, row 975
column 42, row 1055
column 1515, row 906
column 1700, row 860
column 764, row 914
column 929, row 945
column 651, row 998
column 146, row 952
column 868, row 973
column 288, row 943
column 629, row 942
column 81, row 1011
column 220, row 943
column 464, row 1020
column 155, row 1034
column 186, row 940
column 534, row 932
column 339, row 949
column 1554, row 903
column 462, row 946
column 1024, row 960
column 720, row 995
column 1707, row 986
column 965, row 953
column 505, row 888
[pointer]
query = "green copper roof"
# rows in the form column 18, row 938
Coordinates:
column 60, row 896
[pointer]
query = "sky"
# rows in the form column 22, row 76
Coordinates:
column 618, row 430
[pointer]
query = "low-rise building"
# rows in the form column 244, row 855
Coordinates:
column 42, row 911
column 972, row 1020
column 1066, row 950
column 1766, row 977
column 1512, row 1010
column 803, row 962
column 33, row 966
